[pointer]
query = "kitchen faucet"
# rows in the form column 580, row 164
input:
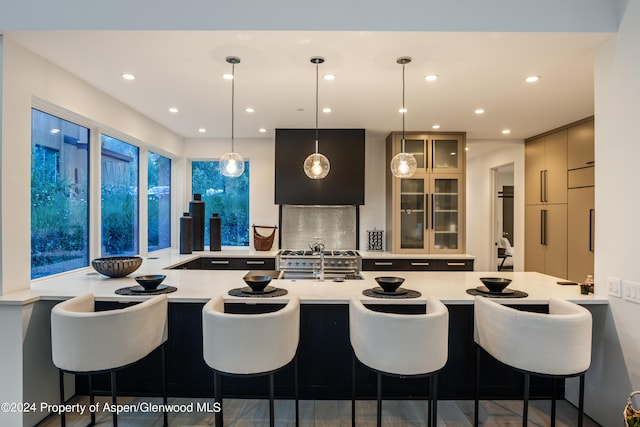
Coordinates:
column 318, row 248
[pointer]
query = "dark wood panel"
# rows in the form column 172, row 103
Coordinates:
column 344, row 185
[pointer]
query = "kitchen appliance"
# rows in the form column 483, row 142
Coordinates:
column 306, row 264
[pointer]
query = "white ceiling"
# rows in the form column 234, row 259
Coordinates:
column 184, row 69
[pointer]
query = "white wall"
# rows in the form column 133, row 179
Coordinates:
column 481, row 198
column 617, row 109
column 30, row 80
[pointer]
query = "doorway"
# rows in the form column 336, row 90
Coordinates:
column 503, row 221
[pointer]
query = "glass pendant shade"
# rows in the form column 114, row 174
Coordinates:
column 231, row 165
column 403, row 165
column 317, row 166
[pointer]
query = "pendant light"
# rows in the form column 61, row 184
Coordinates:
column 403, row 165
column 316, row 165
column 232, row 164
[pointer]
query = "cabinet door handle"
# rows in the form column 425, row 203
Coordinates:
column 415, row 264
column 591, row 217
column 426, row 211
column 221, row 262
column 541, row 186
column 383, row 263
column 543, row 227
column 433, row 212
column 456, row 264
column 254, row 262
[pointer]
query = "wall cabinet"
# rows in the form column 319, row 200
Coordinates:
column 426, row 212
column 559, row 212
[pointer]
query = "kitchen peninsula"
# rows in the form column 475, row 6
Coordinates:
column 324, row 353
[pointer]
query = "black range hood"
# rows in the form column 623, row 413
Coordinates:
column 345, row 149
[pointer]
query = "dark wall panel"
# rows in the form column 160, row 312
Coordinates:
column 345, row 149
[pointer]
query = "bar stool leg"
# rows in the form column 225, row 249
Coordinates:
column 63, row 421
column 581, row 402
column 553, row 402
column 353, row 389
column 379, row 397
column 217, row 392
column 430, row 402
column 271, row 399
column 525, row 411
column 165, row 415
column 434, row 387
column 476, row 406
column 113, row 397
column 92, row 400
column 295, row 378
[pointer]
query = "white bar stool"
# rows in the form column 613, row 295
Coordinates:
column 556, row 345
column 401, row 345
column 250, row 345
column 89, row 342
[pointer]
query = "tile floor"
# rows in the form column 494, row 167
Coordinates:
column 330, row 413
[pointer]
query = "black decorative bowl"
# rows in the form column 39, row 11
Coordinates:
column 116, row 266
column 389, row 283
column 150, row 281
column 495, row 284
column 257, row 283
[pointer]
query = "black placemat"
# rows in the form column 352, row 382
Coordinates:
column 238, row 292
column 409, row 294
column 513, row 294
column 139, row 290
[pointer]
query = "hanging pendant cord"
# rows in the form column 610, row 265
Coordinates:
column 316, row 108
column 403, row 109
column 233, row 94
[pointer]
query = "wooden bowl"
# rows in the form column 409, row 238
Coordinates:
column 117, row 266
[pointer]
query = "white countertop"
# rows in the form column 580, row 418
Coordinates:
column 199, row 286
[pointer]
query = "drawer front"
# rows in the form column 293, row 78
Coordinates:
column 209, row 263
column 455, row 265
column 380, row 265
column 399, row 264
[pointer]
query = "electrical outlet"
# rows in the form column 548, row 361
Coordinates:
column 631, row 291
column 613, row 286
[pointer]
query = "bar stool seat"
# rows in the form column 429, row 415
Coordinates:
column 401, row 345
column 556, row 345
column 249, row 345
column 89, row 342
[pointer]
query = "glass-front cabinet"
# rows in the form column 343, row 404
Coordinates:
column 425, row 213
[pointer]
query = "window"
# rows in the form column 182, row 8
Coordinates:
column 228, row 197
column 59, row 195
column 159, row 202
column 119, row 187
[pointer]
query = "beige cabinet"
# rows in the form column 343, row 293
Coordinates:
column 559, row 212
column 580, row 232
column 546, row 169
column 425, row 213
column 546, row 239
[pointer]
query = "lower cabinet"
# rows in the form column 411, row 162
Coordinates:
column 546, row 239
column 228, row 263
column 416, row 264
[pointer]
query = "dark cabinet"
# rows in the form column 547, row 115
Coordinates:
column 228, row 263
column 416, row 264
column 345, row 149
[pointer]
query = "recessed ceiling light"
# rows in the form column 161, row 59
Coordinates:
column 402, row 110
column 262, row 130
column 329, row 77
column 506, row 131
column 250, row 110
column 431, row 77
column 173, row 110
column 202, row 130
column 227, row 76
column 435, row 127
column 54, row 131
column 479, row 111
column 326, row 110
column 128, row 76
column 532, row 79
